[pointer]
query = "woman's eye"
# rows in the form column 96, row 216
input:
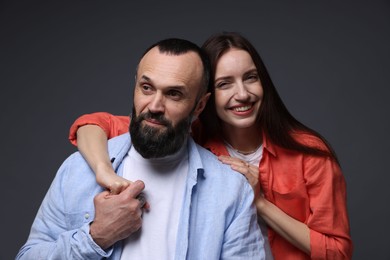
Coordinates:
column 252, row 77
column 222, row 84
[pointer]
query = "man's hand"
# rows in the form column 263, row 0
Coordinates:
column 117, row 216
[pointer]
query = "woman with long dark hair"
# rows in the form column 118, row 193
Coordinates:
column 300, row 192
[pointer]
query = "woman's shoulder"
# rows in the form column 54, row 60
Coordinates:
column 309, row 139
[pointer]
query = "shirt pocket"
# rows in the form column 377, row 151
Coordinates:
column 288, row 184
column 292, row 199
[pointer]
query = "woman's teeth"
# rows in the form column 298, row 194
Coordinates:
column 242, row 109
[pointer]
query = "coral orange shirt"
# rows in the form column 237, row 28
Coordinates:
column 308, row 188
column 112, row 125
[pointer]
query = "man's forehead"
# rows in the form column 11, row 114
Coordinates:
column 155, row 55
column 185, row 68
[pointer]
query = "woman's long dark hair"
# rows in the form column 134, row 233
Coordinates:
column 275, row 121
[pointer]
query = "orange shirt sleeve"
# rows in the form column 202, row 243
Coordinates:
column 111, row 124
column 328, row 220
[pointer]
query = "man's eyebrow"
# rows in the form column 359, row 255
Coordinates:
column 177, row 87
column 182, row 88
column 145, row 78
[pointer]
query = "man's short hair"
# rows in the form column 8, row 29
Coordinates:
column 176, row 46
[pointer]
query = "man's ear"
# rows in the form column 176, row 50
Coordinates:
column 201, row 104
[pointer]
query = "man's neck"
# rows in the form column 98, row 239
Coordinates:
column 172, row 158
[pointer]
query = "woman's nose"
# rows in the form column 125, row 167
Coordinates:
column 241, row 92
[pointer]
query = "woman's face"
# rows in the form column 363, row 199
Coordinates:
column 238, row 90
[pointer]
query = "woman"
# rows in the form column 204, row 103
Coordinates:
column 299, row 189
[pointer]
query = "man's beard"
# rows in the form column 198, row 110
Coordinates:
column 152, row 142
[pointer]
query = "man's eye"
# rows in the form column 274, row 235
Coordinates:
column 146, row 88
column 175, row 94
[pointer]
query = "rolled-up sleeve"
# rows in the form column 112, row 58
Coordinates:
column 112, row 125
column 52, row 235
column 328, row 219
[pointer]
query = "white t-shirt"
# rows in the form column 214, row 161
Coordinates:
column 164, row 180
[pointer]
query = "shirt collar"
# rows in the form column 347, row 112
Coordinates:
column 217, row 146
column 269, row 146
column 196, row 168
column 119, row 146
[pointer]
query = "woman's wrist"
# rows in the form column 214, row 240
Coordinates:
column 102, row 170
column 260, row 203
column 103, row 167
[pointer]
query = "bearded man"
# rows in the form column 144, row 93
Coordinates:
column 197, row 207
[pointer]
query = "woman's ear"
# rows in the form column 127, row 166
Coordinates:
column 201, row 104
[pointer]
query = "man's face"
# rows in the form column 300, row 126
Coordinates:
column 164, row 101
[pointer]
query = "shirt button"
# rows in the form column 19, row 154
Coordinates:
column 86, row 216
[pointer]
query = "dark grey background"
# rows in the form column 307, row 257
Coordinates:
column 330, row 61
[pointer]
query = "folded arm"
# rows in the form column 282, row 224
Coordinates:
column 77, row 220
column 325, row 235
column 52, row 236
column 90, row 133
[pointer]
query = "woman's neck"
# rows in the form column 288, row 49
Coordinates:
column 244, row 140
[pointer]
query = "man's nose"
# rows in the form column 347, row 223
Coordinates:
column 157, row 104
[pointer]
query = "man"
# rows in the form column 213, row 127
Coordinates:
column 197, row 208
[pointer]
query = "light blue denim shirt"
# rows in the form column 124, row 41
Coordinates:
column 218, row 219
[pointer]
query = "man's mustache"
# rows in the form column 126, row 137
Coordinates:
column 155, row 116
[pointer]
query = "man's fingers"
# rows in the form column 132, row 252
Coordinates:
column 142, row 199
column 134, row 191
column 135, row 188
column 102, row 195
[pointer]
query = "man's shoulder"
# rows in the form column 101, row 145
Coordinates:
column 118, row 148
column 215, row 169
column 74, row 185
column 218, row 180
column 75, row 168
column 118, row 143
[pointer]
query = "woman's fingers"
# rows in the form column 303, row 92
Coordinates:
column 118, row 185
column 232, row 161
column 238, row 164
column 251, row 172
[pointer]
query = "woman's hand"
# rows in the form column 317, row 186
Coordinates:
column 294, row 231
column 106, row 177
column 251, row 172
